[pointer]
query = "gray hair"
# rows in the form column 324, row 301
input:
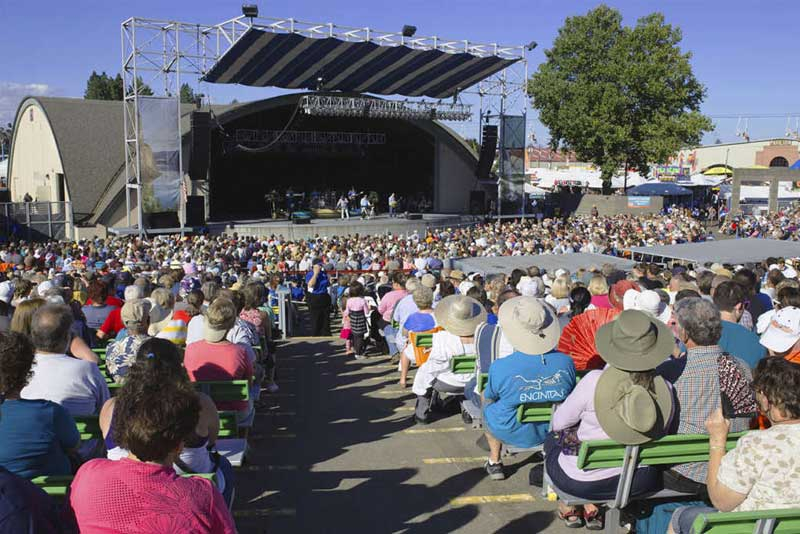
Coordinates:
column 134, row 292
column 423, row 297
column 700, row 319
column 412, row 284
column 50, row 328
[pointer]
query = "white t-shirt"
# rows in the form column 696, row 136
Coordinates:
column 77, row 385
column 765, row 467
column 194, row 330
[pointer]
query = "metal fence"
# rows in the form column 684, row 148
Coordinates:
column 35, row 221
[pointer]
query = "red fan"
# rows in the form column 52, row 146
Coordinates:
column 577, row 338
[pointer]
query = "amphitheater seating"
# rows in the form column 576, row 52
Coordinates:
column 464, row 364
column 764, row 522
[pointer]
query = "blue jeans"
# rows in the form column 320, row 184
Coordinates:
column 683, row 517
column 227, row 472
column 470, row 395
column 390, row 333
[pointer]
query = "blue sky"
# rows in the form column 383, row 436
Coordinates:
column 745, row 52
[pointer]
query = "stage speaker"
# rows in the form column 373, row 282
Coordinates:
column 414, row 216
column 200, row 149
column 195, row 211
column 161, row 219
column 488, row 151
column 477, row 202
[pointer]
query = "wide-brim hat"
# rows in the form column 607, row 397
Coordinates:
column 529, row 325
column 459, row 314
column 634, row 341
column 631, row 414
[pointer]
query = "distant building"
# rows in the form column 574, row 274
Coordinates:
column 778, row 152
column 542, row 157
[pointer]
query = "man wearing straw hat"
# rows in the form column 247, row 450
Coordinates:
column 459, row 315
column 531, row 374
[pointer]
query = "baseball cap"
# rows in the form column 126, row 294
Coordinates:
column 134, row 312
column 783, row 330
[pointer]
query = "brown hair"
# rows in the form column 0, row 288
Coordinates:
column 779, row 381
column 23, row 315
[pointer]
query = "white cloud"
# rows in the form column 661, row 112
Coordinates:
column 11, row 94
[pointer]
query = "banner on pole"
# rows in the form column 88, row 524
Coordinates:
column 159, row 151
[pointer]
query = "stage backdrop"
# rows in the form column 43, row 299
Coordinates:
column 159, row 147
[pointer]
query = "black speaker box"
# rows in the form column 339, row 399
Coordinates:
column 195, row 211
column 488, row 151
column 161, row 219
column 200, row 122
column 477, row 202
column 414, row 216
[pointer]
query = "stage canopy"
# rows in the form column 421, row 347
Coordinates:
column 732, row 251
column 548, row 262
column 263, row 58
column 659, row 189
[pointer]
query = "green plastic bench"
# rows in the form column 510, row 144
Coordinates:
column 424, row 341
column 88, row 427
column 224, row 390
column 464, row 364
column 783, row 521
column 483, row 379
column 535, row 413
column 228, row 427
column 669, row 450
column 57, row 486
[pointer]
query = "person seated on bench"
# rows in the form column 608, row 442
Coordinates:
column 696, row 379
column 158, row 363
column 459, row 315
column 760, row 473
column 420, row 321
column 26, row 508
column 36, row 436
column 121, row 354
column 216, row 358
column 635, row 342
column 142, row 492
column 532, row 373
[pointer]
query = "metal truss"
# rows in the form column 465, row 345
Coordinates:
column 294, row 137
column 163, row 54
column 372, row 108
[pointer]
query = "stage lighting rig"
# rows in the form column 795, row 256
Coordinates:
column 530, row 46
column 371, row 108
column 409, row 31
column 250, row 10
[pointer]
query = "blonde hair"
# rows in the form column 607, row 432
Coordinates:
column 598, row 285
column 221, row 314
column 561, row 288
column 23, row 315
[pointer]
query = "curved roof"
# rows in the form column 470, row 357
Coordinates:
column 89, row 138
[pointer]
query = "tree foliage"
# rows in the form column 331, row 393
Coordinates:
column 187, row 94
column 619, row 95
column 105, row 87
column 5, row 137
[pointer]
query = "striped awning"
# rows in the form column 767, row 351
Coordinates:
column 292, row 61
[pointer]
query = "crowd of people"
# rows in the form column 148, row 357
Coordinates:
column 713, row 350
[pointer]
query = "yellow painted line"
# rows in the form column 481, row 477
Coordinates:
column 267, row 512
column 489, row 499
column 267, row 468
column 404, row 409
column 401, row 392
column 434, row 430
column 454, row 460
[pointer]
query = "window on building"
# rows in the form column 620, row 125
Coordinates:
column 779, row 161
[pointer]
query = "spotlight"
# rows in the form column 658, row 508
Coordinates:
column 250, row 10
column 532, row 45
column 409, row 31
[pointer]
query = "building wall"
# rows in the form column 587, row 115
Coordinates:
column 739, row 154
column 35, row 157
column 454, row 179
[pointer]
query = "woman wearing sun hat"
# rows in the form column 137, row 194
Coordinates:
column 625, row 402
column 532, row 373
column 459, row 316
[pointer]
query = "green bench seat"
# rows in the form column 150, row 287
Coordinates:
column 464, row 364
column 88, row 427
column 424, row 341
column 57, row 486
column 535, row 413
column 224, row 390
column 228, row 427
column 483, row 379
column 783, row 521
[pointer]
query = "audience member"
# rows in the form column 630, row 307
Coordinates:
column 121, row 354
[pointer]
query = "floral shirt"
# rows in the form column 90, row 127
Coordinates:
column 121, row 355
column 765, row 467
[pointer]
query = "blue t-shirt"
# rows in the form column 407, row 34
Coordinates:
column 24, row 508
column 34, row 435
column 742, row 343
column 420, row 322
column 524, row 378
column 321, row 287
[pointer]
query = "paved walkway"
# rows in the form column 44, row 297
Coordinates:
column 336, row 451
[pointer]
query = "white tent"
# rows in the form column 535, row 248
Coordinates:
column 550, row 178
column 4, row 168
column 536, row 192
column 701, row 180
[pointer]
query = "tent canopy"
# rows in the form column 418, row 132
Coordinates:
column 659, row 189
column 292, row 61
column 796, row 165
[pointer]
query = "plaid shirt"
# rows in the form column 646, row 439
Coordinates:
column 697, row 392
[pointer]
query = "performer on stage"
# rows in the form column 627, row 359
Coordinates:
column 392, row 205
column 365, row 207
column 344, row 207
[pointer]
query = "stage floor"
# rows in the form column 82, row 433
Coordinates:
column 380, row 224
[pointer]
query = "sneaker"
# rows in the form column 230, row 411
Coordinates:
column 420, row 420
column 495, row 471
column 272, row 387
column 466, row 417
column 360, row 357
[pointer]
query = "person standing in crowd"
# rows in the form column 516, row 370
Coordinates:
column 318, row 299
column 392, row 205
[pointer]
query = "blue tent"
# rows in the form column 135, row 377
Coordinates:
column 659, row 189
column 796, row 165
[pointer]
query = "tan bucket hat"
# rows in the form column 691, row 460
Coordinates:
column 459, row 314
column 629, row 413
column 530, row 326
column 634, row 341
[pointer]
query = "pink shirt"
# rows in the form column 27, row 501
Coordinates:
column 356, row 304
column 206, row 361
column 601, row 301
column 133, row 497
column 388, row 302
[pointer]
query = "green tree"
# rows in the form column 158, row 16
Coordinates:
column 104, row 87
column 619, row 95
column 5, row 138
column 187, row 94
column 144, row 89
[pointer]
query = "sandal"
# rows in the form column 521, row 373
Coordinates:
column 594, row 520
column 573, row 519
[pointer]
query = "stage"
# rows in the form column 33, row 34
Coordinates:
column 731, row 251
column 380, row 224
column 548, row 262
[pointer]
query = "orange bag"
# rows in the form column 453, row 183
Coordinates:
column 421, row 354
